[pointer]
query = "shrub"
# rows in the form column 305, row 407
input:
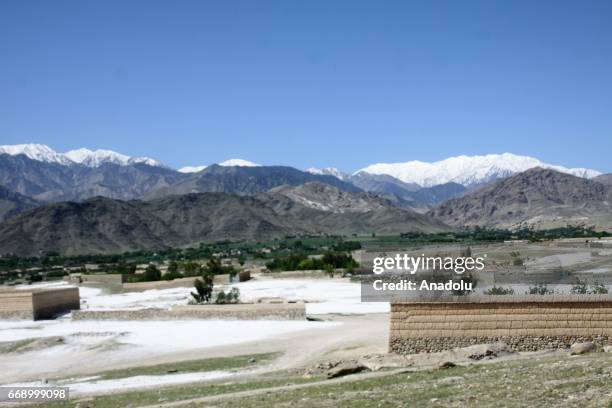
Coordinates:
column 579, row 288
column 539, row 289
column 598, row 289
column 495, row 290
column 172, row 275
column 231, row 297
column 151, row 273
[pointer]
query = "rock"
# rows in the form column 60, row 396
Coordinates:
column 346, row 368
column 487, row 351
column 450, row 380
column 252, row 360
column 446, row 364
column 378, row 362
column 582, row 348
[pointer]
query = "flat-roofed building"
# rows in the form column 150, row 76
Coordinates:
column 36, row 304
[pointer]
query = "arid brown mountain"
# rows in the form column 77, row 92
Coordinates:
column 321, row 196
column 401, row 194
column 102, row 225
column 12, row 203
column 537, row 197
column 245, row 180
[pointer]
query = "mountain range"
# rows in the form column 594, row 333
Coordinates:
column 468, row 171
column 102, row 201
column 538, row 197
column 12, row 203
column 103, row 225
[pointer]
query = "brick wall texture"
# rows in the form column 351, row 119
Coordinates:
column 524, row 322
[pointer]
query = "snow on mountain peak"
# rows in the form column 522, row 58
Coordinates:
column 191, row 169
column 239, row 162
column 467, row 170
column 227, row 163
column 38, row 152
column 327, row 171
column 82, row 156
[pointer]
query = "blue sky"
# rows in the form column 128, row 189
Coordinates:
column 310, row 83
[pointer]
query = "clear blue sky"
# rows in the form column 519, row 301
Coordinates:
column 311, row 82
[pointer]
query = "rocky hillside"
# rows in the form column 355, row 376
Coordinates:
column 321, row 196
column 401, row 194
column 12, row 203
column 102, row 225
column 245, row 180
column 536, row 197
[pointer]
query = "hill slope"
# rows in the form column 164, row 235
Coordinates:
column 539, row 197
column 12, row 203
column 102, row 225
column 51, row 181
column 245, row 180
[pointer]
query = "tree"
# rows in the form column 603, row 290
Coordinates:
column 204, row 289
column 172, row 267
column 192, row 269
column 152, row 273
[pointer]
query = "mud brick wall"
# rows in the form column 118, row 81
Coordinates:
column 247, row 311
column 524, row 322
column 38, row 304
column 16, row 304
column 48, row 303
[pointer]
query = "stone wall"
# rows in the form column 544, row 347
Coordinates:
column 102, row 278
column 249, row 311
column 526, row 323
column 163, row 284
column 182, row 282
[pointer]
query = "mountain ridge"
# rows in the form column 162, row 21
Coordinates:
column 537, row 197
column 103, row 225
column 468, row 171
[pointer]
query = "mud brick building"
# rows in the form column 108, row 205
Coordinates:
column 36, row 304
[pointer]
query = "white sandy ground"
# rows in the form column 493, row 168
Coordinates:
column 324, row 296
column 559, row 261
column 91, row 385
column 108, row 344
column 348, row 337
column 94, row 346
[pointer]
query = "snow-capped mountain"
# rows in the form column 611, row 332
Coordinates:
column 239, row 162
column 467, row 170
column 191, row 169
column 227, row 163
column 86, row 157
column 328, row 171
column 38, row 152
column 96, row 158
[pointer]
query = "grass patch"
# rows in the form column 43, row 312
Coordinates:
column 177, row 393
column 191, row 366
column 13, row 346
column 557, row 381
